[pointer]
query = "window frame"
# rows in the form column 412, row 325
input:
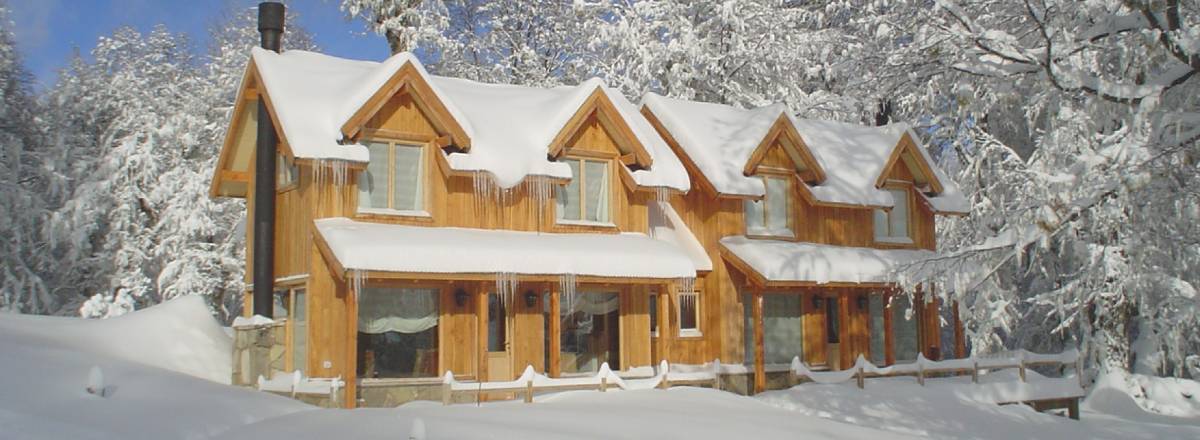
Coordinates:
column 689, row 332
column 582, row 193
column 290, row 322
column 422, row 179
column 886, row 215
column 439, row 334
column 788, row 207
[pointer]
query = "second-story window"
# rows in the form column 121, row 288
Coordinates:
column 393, row 180
column 585, row 198
column 771, row 216
column 892, row 226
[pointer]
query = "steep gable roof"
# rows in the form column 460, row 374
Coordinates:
column 320, row 103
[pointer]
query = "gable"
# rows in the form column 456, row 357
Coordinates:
column 598, row 112
column 403, row 117
column 231, row 178
column 906, row 163
column 782, row 150
column 414, row 92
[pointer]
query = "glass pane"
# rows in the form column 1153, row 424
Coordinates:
column 397, row 333
column 778, row 211
column 687, row 311
column 748, row 329
column 590, row 334
column 653, row 311
column 904, row 326
column 755, row 224
column 596, row 176
column 881, row 223
column 372, row 182
column 497, row 318
column 782, row 327
column 281, row 302
column 831, row 320
column 568, row 195
column 899, row 217
column 408, row 188
column 878, row 351
column 300, row 330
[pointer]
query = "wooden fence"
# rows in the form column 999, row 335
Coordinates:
column 532, row 382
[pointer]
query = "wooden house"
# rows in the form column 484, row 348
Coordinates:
column 808, row 221
column 408, row 225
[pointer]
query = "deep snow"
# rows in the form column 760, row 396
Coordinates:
column 154, row 363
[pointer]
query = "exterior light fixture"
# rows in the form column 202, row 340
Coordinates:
column 460, row 297
column 530, row 298
column 862, row 302
column 818, row 302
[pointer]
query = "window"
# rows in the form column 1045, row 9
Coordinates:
column 589, row 332
column 653, row 313
column 904, row 326
column 892, row 226
column 782, row 328
column 393, row 179
column 285, row 173
column 397, row 333
column 497, row 324
column 689, row 314
column 290, row 305
column 771, row 216
column 585, row 197
column 878, row 338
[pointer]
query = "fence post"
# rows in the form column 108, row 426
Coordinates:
column 603, row 384
column 717, row 374
column 529, row 391
column 1079, row 369
column 447, row 390
column 861, row 379
column 920, row 373
column 1022, row 368
column 975, row 372
column 792, row 378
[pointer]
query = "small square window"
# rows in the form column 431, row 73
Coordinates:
column 585, row 198
column 772, row 215
column 892, row 226
column 689, row 314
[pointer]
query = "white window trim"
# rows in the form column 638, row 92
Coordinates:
column 689, row 332
column 583, row 195
column 424, row 186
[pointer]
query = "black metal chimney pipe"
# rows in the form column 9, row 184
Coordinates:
column 270, row 26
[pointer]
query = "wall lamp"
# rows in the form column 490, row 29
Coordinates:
column 460, row 297
column 862, row 302
column 530, row 298
column 818, row 302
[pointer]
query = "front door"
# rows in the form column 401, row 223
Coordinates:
column 833, row 336
column 499, row 360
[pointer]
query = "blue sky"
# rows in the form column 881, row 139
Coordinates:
column 48, row 31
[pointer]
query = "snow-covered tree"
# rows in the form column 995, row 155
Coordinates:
column 397, row 20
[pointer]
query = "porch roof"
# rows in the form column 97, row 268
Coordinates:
column 377, row 247
column 777, row 262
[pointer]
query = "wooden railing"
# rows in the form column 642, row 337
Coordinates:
column 295, row 384
column 531, row 382
column 922, row 367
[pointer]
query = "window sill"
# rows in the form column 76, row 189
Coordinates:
column 585, row 223
column 894, row 240
column 692, row 333
column 395, row 212
column 784, row 234
column 382, row 382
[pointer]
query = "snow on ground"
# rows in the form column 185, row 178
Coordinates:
column 952, row 408
column 45, row 363
column 154, row 363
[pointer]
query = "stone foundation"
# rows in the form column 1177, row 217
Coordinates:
column 258, row 350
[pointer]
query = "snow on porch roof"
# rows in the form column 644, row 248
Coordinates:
column 510, row 127
column 413, row 249
column 798, row 262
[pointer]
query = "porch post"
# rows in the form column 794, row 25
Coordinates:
column 554, row 369
column 664, row 323
column 960, row 342
column 760, row 368
column 481, row 326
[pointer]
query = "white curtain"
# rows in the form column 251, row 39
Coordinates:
column 382, row 310
column 591, row 303
column 409, row 190
column 778, row 211
column 881, row 224
column 597, row 191
column 372, row 182
column 782, row 328
column 899, row 217
column 567, row 196
column 755, row 223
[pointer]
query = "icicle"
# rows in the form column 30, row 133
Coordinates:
column 566, row 284
column 662, row 194
column 685, row 285
column 506, row 287
column 357, row 279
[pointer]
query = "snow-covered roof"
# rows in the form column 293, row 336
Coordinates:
column 666, row 225
column 856, row 155
column 510, row 127
column 800, row 262
column 397, row 248
column 720, row 139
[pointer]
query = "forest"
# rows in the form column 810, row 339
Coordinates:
column 1071, row 126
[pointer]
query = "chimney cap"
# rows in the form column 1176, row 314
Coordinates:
column 270, row 16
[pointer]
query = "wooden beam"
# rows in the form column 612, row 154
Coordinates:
column 664, row 323
column 555, row 367
column 235, row 176
column 481, row 326
column 760, row 368
column 960, row 342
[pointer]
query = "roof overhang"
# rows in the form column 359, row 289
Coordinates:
column 777, row 263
